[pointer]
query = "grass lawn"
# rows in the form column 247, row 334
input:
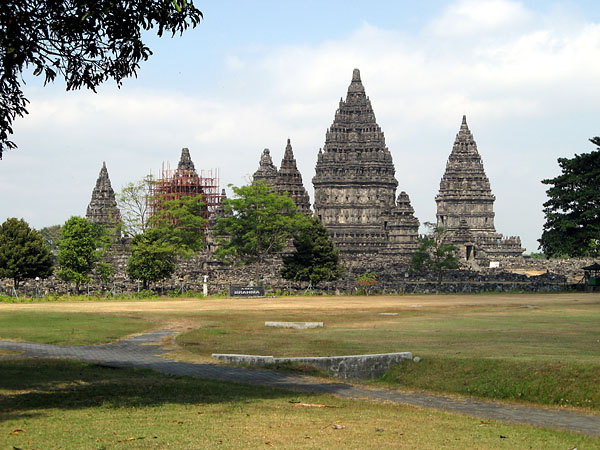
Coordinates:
column 547, row 354
column 51, row 404
column 538, row 348
column 68, row 328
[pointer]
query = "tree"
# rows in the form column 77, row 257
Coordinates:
column 572, row 212
column 81, row 246
column 256, row 223
column 178, row 230
column 434, row 253
column 152, row 257
column 182, row 223
column 84, row 42
column 23, row 252
column 134, row 202
column 315, row 258
column 52, row 235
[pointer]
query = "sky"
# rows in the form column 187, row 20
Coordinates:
column 253, row 74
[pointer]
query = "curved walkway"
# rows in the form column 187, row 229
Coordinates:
column 143, row 352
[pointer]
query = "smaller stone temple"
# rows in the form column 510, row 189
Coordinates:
column 287, row 180
column 465, row 205
column 103, row 205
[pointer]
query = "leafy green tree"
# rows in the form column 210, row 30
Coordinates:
column 572, row 212
column 82, row 245
column 315, row 258
column 434, row 253
column 182, row 223
column 177, row 230
column 84, row 42
column 256, row 223
column 52, row 235
column 152, row 257
column 23, row 252
column 134, row 203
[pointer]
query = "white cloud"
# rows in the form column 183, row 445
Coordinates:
column 472, row 17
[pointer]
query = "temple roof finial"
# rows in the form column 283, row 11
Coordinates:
column 356, row 87
column 288, row 155
column 266, row 169
column 185, row 162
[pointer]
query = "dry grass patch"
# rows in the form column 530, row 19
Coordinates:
column 69, row 405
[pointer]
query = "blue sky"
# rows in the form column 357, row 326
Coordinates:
column 254, row 73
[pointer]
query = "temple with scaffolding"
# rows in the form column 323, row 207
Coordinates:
column 185, row 181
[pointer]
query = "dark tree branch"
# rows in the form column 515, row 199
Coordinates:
column 86, row 42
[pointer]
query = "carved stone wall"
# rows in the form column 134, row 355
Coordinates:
column 515, row 274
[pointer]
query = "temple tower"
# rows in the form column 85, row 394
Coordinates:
column 185, row 181
column 354, row 184
column 266, row 170
column 103, row 205
column 465, row 204
column 289, row 180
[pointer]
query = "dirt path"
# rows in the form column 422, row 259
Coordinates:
column 299, row 303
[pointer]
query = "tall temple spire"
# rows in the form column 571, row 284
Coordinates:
column 355, row 182
column 103, row 205
column 289, row 180
column 288, row 154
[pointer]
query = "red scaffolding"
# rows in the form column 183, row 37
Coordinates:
column 178, row 183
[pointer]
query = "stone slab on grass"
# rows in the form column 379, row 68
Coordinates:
column 344, row 367
column 295, row 325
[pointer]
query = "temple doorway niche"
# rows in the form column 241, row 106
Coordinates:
column 469, row 252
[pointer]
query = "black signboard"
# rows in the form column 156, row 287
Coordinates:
column 246, row 291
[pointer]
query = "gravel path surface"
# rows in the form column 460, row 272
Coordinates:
column 143, row 351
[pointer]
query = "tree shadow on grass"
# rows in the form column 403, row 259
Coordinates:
column 29, row 386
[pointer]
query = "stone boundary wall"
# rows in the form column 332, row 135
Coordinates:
column 344, row 367
column 392, row 278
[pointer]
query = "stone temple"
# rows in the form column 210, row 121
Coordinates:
column 465, row 204
column 355, row 186
column 287, row 180
column 355, row 191
column 103, row 205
